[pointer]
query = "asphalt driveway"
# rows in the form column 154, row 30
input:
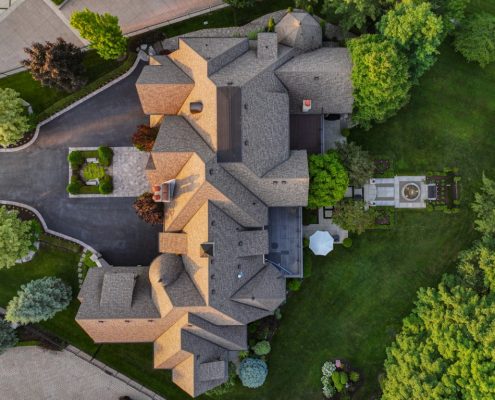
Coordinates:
column 38, row 175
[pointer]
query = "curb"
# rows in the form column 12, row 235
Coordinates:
column 141, row 56
column 60, row 235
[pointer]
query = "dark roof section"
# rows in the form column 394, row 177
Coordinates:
column 229, row 124
column 306, row 132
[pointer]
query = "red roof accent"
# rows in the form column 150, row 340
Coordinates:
column 157, row 197
column 307, row 103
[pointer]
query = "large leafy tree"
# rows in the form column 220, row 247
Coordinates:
column 149, row 210
column 353, row 217
column 8, row 337
column 417, row 31
column 475, row 40
column 380, row 79
column 14, row 122
column 357, row 162
column 445, row 348
column 484, row 207
column 451, row 11
column 57, row 65
column 39, row 300
column 328, row 180
column 16, row 237
column 356, row 13
column 102, row 31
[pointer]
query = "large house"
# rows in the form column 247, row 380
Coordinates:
column 233, row 180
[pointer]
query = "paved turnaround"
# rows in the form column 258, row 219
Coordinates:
column 38, row 175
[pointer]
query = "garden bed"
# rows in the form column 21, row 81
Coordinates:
column 447, row 190
column 385, row 218
column 90, row 165
column 383, row 168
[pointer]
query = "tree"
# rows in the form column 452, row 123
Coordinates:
column 380, row 79
column 417, row 31
column 39, row 300
column 445, row 347
column 328, row 180
column 262, row 348
column 16, row 237
column 356, row 13
column 484, row 207
column 102, row 31
column 451, row 11
column 14, row 122
column 476, row 39
column 353, row 217
column 8, row 337
column 357, row 162
column 149, row 210
column 57, row 65
column 253, row 372
column 144, row 138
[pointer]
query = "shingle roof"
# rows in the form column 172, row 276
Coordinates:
column 299, row 30
column 324, row 76
column 117, row 289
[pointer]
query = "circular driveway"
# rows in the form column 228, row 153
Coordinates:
column 38, row 175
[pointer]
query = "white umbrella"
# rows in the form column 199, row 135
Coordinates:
column 321, row 242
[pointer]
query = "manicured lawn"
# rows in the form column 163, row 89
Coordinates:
column 42, row 97
column 225, row 17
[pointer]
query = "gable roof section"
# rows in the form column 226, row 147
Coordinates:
column 324, row 76
column 266, row 290
column 117, row 289
column 217, row 52
column 163, row 88
column 299, row 30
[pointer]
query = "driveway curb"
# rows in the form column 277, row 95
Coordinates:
column 100, row 262
column 141, row 56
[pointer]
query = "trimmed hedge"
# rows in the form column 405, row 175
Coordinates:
column 106, row 185
column 105, row 156
column 90, row 88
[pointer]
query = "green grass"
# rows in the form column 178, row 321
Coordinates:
column 225, row 17
column 41, row 97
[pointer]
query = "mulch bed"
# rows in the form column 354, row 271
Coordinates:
column 24, row 214
column 27, row 137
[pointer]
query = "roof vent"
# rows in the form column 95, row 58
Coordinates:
column 240, row 275
column 196, row 107
column 206, row 249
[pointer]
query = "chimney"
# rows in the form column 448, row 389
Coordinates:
column 267, row 45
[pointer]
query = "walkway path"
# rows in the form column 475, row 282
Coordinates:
column 55, row 375
column 37, row 176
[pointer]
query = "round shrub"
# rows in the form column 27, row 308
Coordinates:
column 105, row 155
column 106, row 185
column 347, row 242
column 354, row 376
column 75, row 158
column 262, row 348
column 8, row 337
column 74, row 188
column 345, row 132
column 93, row 171
column 294, row 285
column 253, row 372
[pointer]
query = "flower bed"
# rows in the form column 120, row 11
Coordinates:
column 90, row 172
column 385, row 218
column 383, row 168
column 338, row 379
column 448, row 190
